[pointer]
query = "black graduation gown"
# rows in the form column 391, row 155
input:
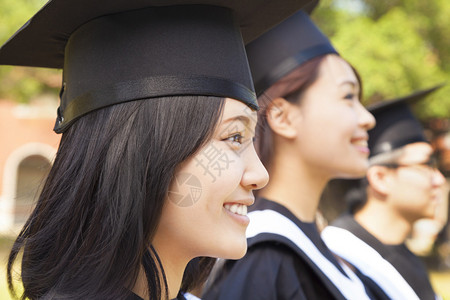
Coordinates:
column 274, row 267
column 409, row 266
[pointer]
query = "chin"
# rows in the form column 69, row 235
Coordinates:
column 428, row 215
column 352, row 173
column 238, row 254
column 359, row 169
column 235, row 250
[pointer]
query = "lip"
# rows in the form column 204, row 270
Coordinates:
column 360, row 143
column 240, row 219
column 246, row 201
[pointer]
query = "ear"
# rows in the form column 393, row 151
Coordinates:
column 281, row 116
column 379, row 179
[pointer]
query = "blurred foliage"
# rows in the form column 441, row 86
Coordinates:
column 21, row 83
column 397, row 46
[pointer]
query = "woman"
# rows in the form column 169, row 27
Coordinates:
column 312, row 129
column 140, row 188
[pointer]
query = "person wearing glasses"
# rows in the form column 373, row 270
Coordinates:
column 402, row 185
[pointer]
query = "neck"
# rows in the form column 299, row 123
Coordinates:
column 173, row 269
column 389, row 229
column 295, row 186
column 173, row 266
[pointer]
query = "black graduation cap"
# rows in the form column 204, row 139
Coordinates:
column 396, row 125
column 118, row 51
column 285, row 47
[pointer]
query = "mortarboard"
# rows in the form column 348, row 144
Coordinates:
column 119, row 51
column 396, row 125
column 285, row 47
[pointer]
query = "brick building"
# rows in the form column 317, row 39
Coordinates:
column 27, row 148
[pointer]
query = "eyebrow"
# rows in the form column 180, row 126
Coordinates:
column 244, row 119
column 353, row 83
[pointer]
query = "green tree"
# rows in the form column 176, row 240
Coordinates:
column 431, row 21
column 387, row 46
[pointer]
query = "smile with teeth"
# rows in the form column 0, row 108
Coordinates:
column 238, row 209
column 362, row 143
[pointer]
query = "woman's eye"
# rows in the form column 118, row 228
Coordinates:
column 236, row 139
column 349, row 96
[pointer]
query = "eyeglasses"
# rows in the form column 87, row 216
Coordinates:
column 431, row 164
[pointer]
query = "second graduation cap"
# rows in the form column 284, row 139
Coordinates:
column 284, row 48
column 396, row 124
column 118, row 51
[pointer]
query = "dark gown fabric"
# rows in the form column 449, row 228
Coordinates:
column 274, row 267
column 400, row 257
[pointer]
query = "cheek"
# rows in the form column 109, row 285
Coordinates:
column 202, row 193
column 344, row 122
column 194, row 215
column 199, row 190
column 221, row 179
column 325, row 141
column 412, row 189
column 415, row 179
column 214, row 162
column 339, row 118
column 329, row 129
column 204, row 228
column 213, row 174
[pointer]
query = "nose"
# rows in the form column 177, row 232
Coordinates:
column 438, row 179
column 255, row 176
column 365, row 119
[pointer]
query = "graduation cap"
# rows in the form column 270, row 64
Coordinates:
column 396, row 125
column 118, row 51
column 284, row 48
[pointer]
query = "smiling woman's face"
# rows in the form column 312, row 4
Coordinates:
column 332, row 122
column 205, row 213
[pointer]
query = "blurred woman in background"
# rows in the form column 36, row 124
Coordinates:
column 312, row 128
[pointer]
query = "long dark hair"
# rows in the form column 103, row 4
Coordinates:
column 291, row 87
column 91, row 230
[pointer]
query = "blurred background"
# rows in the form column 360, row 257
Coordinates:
column 397, row 46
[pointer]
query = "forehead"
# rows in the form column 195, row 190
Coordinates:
column 336, row 69
column 416, row 153
column 234, row 109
